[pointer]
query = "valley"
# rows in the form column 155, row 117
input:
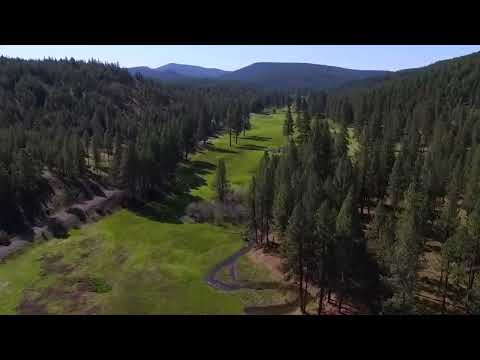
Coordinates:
column 147, row 261
column 280, row 188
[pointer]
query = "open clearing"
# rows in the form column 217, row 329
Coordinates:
column 241, row 159
column 146, row 261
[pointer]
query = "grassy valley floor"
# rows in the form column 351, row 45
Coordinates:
column 147, row 261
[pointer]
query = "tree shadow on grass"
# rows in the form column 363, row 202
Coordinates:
column 252, row 147
column 279, row 309
column 170, row 207
column 266, row 285
column 256, row 138
column 217, row 149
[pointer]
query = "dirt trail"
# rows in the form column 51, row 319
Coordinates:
column 236, row 284
column 211, row 277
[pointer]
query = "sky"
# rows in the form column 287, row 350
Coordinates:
column 233, row 57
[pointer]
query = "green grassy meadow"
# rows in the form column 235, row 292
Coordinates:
column 241, row 159
column 144, row 261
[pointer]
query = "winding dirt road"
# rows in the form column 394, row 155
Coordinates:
column 236, row 284
column 211, row 277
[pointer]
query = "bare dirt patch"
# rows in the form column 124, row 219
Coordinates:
column 73, row 295
column 120, row 256
column 89, row 246
column 430, row 290
column 271, row 260
column 31, row 305
column 53, row 264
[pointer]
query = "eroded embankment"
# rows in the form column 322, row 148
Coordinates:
column 59, row 224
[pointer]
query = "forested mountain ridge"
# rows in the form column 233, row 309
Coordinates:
column 263, row 75
column 166, row 76
column 298, row 75
column 178, row 72
column 86, row 119
column 437, row 76
column 193, row 71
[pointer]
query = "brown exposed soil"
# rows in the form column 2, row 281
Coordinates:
column 121, row 255
column 271, row 260
column 54, row 264
column 74, row 294
column 30, row 305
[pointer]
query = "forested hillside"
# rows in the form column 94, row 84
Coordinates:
column 304, row 200
column 79, row 120
column 172, row 71
column 272, row 76
column 298, row 75
column 411, row 188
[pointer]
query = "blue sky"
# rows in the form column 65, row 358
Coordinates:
column 232, row 57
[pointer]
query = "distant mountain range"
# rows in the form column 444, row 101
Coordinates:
column 267, row 75
column 178, row 72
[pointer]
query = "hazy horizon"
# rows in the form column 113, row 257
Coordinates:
column 234, row 57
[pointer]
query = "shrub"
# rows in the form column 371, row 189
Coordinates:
column 218, row 212
column 4, row 239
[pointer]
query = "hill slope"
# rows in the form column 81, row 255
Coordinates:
column 262, row 75
column 299, row 75
column 73, row 118
column 193, row 71
column 178, row 72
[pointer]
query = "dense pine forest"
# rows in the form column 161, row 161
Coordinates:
column 78, row 120
column 374, row 177
column 414, row 180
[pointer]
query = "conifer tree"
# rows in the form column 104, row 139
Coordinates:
column 395, row 182
column 221, row 183
column 108, row 144
column 303, row 126
column 341, row 142
column 451, row 257
column 405, row 262
column 448, row 219
column 324, row 233
column 252, row 209
column 288, row 124
column 381, row 234
column 473, row 250
column 473, row 181
column 96, row 152
column 282, row 205
column 346, row 231
column 130, row 169
column 292, row 250
column 342, row 179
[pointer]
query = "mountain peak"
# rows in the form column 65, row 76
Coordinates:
column 193, row 71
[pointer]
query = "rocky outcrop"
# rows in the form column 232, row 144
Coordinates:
column 60, row 223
